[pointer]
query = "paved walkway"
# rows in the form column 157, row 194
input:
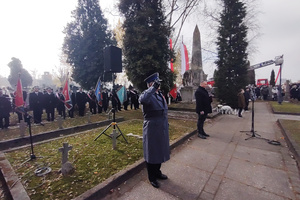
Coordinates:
column 224, row 166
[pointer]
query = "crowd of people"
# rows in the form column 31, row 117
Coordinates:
column 53, row 102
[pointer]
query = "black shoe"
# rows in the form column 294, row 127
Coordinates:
column 240, row 116
column 162, row 177
column 155, row 184
column 201, row 136
column 206, row 135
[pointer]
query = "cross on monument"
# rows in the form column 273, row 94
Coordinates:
column 65, row 149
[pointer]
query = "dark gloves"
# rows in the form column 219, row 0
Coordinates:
column 156, row 84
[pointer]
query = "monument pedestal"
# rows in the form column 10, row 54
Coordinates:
column 187, row 94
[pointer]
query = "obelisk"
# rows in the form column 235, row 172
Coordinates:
column 193, row 77
column 196, row 51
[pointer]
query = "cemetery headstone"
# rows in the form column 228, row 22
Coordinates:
column 88, row 117
column 60, row 122
column 22, row 128
column 66, row 167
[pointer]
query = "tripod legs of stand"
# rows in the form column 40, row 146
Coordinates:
column 253, row 135
column 115, row 125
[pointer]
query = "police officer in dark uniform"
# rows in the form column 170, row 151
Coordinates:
column 155, row 129
column 105, row 100
column 36, row 105
column 5, row 109
column 50, row 103
column 81, row 99
column 61, row 109
column 92, row 101
column 73, row 100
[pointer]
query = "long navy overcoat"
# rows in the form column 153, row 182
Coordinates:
column 156, row 127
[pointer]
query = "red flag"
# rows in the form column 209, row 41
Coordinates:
column 19, row 101
column 277, row 76
column 171, row 62
column 173, row 92
column 65, row 92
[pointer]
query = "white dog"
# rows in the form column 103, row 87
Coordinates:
column 225, row 110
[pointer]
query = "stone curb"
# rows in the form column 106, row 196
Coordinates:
column 293, row 146
column 13, row 143
column 11, row 181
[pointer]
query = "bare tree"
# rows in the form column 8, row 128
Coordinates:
column 177, row 13
column 209, row 14
column 62, row 70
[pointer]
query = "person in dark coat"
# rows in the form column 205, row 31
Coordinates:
column 115, row 101
column 203, row 107
column 247, row 98
column 61, row 109
column 105, row 99
column 241, row 102
column 5, row 109
column 126, row 101
column 155, row 129
column 50, row 104
column 92, row 101
column 265, row 92
column 73, row 100
column 36, row 105
column 133, row 98
column 81, row 99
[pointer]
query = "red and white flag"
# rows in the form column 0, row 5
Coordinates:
column 19, row 101
column 66, row 93
column 184, row 59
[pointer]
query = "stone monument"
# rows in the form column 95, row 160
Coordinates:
column 193, row 76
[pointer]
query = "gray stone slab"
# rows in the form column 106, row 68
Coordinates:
column 196, row 157
column 185, row 182
column 211, row 145
column 233, row 190
column 145, row 191
column 262, row 177
column 263, row 157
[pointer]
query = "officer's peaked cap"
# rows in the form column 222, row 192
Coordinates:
column 152, row 78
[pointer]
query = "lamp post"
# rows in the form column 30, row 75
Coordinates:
column 279, row 61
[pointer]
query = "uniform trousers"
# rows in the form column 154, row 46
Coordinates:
column 200, row 123
column 153, row 171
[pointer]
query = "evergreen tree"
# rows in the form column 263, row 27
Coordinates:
column 232, row 57
column 146, row 42
column 272, row 78
column 16, row 68
column 85, row 39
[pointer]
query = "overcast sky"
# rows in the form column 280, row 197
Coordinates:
column 32, row 32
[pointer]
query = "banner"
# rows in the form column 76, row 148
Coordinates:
column 171, row 61
column 98, row 90
column 66, row 93
column 122, row 94
column 184, row 59
column 19, row 101
column 173, row 92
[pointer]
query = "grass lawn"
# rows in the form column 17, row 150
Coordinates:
column 285, row 107
column 293, row 127
column 94, row 161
